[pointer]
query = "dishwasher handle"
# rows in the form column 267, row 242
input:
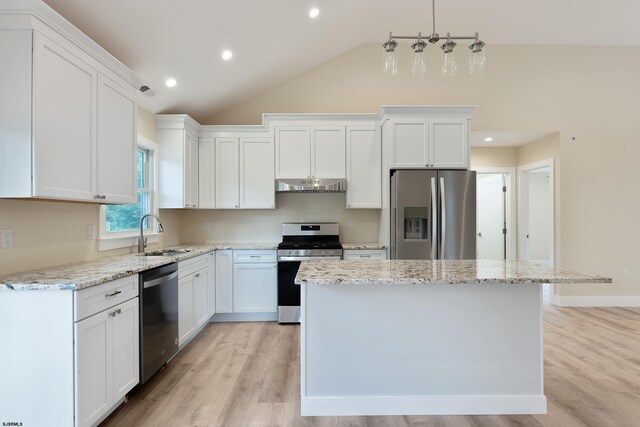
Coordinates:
column 159, row 280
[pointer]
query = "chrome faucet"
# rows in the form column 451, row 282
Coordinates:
column 142, row 241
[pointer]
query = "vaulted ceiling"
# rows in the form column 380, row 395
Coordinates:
column 273, row 41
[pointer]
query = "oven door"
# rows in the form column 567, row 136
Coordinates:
column 288, row 291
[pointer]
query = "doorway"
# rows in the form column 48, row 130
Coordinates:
column 495, row 208
column 536, row 222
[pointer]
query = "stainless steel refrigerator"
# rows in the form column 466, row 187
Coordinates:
column 433, row 214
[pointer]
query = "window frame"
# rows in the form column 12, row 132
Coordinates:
column 125, row 239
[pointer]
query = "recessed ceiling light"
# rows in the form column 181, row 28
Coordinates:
column 313, row 13
column 226, row 55
column 488, row 139
column 171, row 82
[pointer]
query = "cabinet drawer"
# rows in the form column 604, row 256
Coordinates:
column 355, row 254
column 254, row 256
column 90, row 301
column 191, row 265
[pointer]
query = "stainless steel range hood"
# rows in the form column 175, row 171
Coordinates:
column 312, row 185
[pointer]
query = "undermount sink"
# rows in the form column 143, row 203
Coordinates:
column 168, row 252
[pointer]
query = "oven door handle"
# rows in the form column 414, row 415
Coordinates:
column 306, row 258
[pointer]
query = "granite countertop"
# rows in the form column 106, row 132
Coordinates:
column 371, row 246
column 381, row 272
column 83, row 275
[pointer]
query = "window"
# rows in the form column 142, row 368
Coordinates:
column 120, row 224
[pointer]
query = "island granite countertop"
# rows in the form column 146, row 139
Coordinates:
column 81, row 275
column 438, row 272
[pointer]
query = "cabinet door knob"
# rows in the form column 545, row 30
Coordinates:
column 115, row 313
column 197, row 275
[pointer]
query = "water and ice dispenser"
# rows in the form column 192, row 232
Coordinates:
column 416, row 223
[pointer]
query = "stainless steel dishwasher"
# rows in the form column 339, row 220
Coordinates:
column 158, row 318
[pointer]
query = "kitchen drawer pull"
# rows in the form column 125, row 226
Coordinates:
column 112, row 294
column 254, row 256
column 365, row 256
column 115, row 313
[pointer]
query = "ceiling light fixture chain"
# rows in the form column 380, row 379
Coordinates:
column 477, row 60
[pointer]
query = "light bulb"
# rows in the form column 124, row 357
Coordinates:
column 389, row 58
column 477, row 62
column 419, row 59
column 390, row 65
column 449, row 65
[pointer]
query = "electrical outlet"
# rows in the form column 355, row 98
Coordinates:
column 625, row 273
column 6, row 236
column 350, row 223
column 207, row 226
column 91, row 232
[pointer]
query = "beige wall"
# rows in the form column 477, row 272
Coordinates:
column 503, row 157
column 571, row 90
column 356, row 225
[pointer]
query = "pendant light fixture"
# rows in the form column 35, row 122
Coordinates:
column 477, row 60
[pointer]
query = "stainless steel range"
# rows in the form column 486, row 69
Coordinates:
column 302, row 242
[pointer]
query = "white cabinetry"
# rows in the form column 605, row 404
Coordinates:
column 178, row 175
column 244, row 173
column 116, row 143
column 433, row 143
column 69, row 131
column 206, row 173
column 364, row 254
column 364, row 167
column 310, row 152
column 193, row 297
column 227, row 173
column 224, row 281
column 255, row 278
column 211, row 287
column 107, row 348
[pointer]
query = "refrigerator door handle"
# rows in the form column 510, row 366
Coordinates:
column 443, row 218
column 434, row 223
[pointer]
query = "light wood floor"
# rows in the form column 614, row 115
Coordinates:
column 247, row 374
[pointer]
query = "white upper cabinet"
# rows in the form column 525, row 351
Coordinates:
column 310, row 152
column 178, row 175
column 227, row 176
column 69, row 131
column 206, row 173
column 244, row 173
column 293, row 152
column 257, row 173
column 364, row 167
column 449, row 143
column 116, row 143
column 429, row 143
column 64, row 131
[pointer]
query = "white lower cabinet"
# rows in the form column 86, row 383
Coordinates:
column 211, row 286
column 106, row 353
column 355, row 254
column 246, row 281
column 224, row 281
column 254, row 288
column 193, row 296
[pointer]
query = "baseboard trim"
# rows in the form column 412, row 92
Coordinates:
column 423, row 405
column 596, row 301
column 244, row 317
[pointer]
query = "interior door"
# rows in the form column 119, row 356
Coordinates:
column 490, row 216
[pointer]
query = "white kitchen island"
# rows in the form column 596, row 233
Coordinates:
column 424, row 337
